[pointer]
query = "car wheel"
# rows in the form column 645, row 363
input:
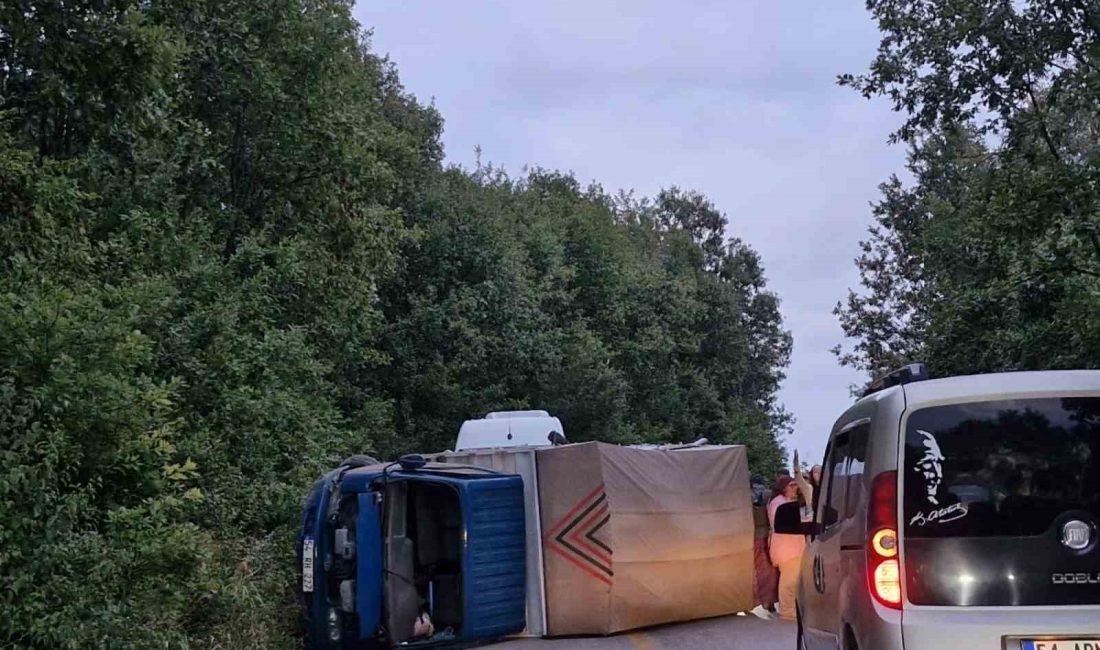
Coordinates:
column 800, row 643
column 850, row 639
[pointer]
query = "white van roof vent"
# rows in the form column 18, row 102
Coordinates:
column 511, row 429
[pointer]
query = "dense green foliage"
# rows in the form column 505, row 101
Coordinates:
column 230, row 256
column 989, row 259
column 632, row 321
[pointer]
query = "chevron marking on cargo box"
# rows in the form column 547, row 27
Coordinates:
column 574, row 536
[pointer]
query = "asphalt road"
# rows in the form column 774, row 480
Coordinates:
column 726, row 633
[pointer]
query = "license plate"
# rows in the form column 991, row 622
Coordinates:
column 307, row 566
column 1062, row 644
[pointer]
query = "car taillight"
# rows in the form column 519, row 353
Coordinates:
column 887, row 580
column 884, row 572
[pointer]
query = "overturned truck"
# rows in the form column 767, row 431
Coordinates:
column 586, row 538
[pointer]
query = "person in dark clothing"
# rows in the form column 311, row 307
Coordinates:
column 766, row 576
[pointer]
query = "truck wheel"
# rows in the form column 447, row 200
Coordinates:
column 359, row 460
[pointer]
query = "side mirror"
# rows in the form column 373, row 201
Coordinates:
column 788, row 521
column 410, row 462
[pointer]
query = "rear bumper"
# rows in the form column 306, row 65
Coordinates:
column 950, row 628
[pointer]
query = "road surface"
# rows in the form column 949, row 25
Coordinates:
column 726, row 633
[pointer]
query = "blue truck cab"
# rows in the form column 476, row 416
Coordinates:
column 382, row 545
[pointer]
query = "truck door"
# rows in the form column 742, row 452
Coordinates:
column 454, row 548
column 495, row 558
column 368, row 570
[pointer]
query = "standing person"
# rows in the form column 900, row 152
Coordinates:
column 766, row 578
column 807, row 488
column 786, row 550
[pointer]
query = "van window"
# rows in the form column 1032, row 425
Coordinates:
column 1003, row 468
column 857, row 459
column 842, row 479
column 834, row 481
column 819, row 493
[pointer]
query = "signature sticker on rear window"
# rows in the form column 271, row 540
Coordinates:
column 941, row 516
column 930, row 467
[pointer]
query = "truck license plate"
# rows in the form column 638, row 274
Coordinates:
column 1062, row 644
column 307, row 566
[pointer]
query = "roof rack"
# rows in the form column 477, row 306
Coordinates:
column 903, row 375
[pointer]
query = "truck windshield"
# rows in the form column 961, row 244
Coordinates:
column 1000, row 469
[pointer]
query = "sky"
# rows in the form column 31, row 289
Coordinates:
column 735, row 99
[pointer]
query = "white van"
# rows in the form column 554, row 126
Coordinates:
column 955, row 514
column 511, row 429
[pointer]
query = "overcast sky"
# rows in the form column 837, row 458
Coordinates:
column 736, row 99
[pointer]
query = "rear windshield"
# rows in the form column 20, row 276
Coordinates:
column 1005, row 468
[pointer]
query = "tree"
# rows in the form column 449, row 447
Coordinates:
column 629, row 320
column 990, row 259
column 199, row 202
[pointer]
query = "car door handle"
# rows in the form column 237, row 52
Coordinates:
column 819, row 574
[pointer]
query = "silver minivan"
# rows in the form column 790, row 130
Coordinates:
column 957, row 513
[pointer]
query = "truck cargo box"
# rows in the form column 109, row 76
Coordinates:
column 640, row 537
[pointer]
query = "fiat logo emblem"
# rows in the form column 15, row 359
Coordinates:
column 1076, row 534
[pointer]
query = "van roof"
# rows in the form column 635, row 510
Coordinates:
column 1039, row 383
